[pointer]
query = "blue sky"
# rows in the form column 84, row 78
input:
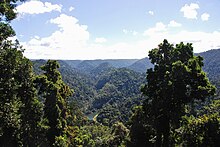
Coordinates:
column 114, row 29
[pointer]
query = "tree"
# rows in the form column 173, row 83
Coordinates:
column 120, row 133
column 20, row 110
column 55, row 92
column 7, row 7
column 32, row 110
column 176, row 80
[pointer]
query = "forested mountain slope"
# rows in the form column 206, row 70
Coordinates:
column 109, row 91
column 88, row 65
column 141, row 65
column 101, row 86
column 212, row 63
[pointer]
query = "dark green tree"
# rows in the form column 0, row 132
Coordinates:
column 142, row 133
column 18, row 96
column 20, row 110
column 32, row 110
column 55, row 92
column 176, row 80
column 10, row 103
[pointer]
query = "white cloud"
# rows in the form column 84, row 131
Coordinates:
column 70, row 29
column 205, row 17
column 158, row 29
column 71, row 8
column 100, row 40
column 70, row 37
column 173, row 23
column 190, row 11
column 37, row 7
column 151, row 12
column 202, row 41
column 72, row 41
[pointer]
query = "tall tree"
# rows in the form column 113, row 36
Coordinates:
column 55, row 92
column 18, row 95
column 20, row 110
column 176, row 80
column 10, row 103
column 32, row 109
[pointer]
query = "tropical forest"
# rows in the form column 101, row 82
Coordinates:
column 169, row 98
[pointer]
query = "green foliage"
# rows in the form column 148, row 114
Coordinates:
column 55, row 92
column 120, row 135
column 96, row 135
column 212, row 65
column 60, row 141
column 92, row 135
column 202, row 130
column 20, row 110
column 214, row 107
column 5, row 31
column 10, row 103
column 118, row 92
column 177, row 79
column 7, row 9
column 77, row 116
column 109, row 92
column 142, row 132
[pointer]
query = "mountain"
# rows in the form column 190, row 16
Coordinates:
column 101, row 69
column 82, row 84
column 118, row 91
column 141, row 65
column 212, row 63
column 111, row 88
column 87, row 66
column 104, row 90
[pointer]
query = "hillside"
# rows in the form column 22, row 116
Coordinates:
column 109, row 91
column 141, row 65
column 88, row 65
column 212, row 63
column 102, row 86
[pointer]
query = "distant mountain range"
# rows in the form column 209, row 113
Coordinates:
column 211, row 63
column 86, row 66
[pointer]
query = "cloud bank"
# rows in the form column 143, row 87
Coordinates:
column 37, row 7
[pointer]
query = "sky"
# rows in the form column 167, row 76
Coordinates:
column 114, row 29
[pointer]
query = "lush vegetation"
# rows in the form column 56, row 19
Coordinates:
column 107, row 91
column 173, row 85
column 51, row 103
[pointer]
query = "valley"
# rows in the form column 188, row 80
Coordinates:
column 111, row 88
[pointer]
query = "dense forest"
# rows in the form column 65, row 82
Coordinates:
column 169, row 99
